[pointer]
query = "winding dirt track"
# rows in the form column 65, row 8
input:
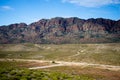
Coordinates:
column 63, row 63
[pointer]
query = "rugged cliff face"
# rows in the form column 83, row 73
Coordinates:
column 62, row 30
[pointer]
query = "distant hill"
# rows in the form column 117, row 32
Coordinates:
column 62, row 30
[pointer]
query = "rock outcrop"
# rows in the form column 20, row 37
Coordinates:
column 62, row 30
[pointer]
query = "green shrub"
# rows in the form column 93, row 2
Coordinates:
column 26, row 74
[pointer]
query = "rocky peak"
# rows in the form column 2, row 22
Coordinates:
column 57, row 21
column 17, row 25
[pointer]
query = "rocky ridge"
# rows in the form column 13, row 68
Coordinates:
column 62, row 30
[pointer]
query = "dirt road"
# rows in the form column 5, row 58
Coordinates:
column 63, row 63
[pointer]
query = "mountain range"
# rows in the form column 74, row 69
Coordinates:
column 62, row 30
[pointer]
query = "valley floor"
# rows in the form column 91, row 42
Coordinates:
column 83, row 61
column 94, row 71
column 63, row 63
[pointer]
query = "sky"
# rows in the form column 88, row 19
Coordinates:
column 28, row 11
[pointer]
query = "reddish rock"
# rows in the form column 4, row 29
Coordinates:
column 62, row 30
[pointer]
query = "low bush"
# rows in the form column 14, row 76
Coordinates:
column 26, row 74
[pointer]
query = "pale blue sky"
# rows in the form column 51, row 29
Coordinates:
column 28, row 11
